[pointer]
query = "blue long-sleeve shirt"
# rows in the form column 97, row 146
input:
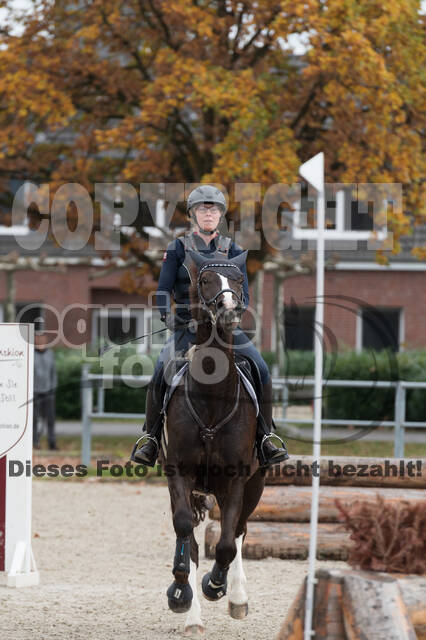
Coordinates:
column 174, row 258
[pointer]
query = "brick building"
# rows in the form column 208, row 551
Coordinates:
column 367, row 305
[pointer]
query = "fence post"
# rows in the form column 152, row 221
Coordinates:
column 285, row 400
column 399, row 421
column 86, row 419
column 100, row 405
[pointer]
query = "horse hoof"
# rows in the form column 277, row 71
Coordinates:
column 179, row 597
column 212, row 591
column 238, row 611
column 194, row 631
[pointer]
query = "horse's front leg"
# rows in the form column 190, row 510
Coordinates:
column 214, row 583
column 180, row 592
column 194, row 627
column 238, row 599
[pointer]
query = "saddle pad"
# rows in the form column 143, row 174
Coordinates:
column 177, row 378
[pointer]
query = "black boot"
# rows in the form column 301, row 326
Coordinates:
column 268, row 453
column 148, row 453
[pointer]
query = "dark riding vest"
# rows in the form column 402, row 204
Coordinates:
column 183, row 278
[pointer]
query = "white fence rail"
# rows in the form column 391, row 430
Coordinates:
column 90, row 381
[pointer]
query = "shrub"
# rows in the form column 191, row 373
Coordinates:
column 269, row 357
column 121, row 398
column 339, row 403
column 370, row 403
column 68, row 397
column 387, row 536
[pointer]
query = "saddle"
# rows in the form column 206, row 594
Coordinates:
column 251, row 370
column 246, row 367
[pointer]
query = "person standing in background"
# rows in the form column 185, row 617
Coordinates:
column 45, row 383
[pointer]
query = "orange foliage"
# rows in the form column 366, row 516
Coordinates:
column 189, row 91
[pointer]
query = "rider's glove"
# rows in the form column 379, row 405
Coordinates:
column 169, row 321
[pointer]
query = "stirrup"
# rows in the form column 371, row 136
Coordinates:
column 145, row 436
column 282, row 453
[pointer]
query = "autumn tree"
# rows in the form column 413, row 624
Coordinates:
column 193, row 90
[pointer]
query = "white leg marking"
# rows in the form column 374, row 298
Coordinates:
column 236, row 576
column 194, row 614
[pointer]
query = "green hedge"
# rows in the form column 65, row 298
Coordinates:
column 364, row 404
column 121, row 398
column 361, row 404
column 68, row 397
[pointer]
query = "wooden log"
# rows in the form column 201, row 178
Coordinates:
column 284, row 540
column 327, row 619
column 293, row 504
column 376, row 605
column 373, row 608
column 413, row 589
column 401, row 473
column 292, row 627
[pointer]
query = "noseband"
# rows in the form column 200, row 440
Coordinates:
column 206, row 303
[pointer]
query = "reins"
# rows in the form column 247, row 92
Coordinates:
column 103, row 350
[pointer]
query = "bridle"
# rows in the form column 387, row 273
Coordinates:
column 206, row 304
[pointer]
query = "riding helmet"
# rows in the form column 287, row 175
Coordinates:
column 206, row 193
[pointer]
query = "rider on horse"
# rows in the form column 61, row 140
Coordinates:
column 206, row 206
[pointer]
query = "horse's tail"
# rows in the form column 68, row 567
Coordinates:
column 199, row 505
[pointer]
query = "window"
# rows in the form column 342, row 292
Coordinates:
column 381, row 328
column 361, row 216
column 299, row 325
column 119, row 323
column 115, row 328
column 116, row 324
column 30, row 312
column 21, row 215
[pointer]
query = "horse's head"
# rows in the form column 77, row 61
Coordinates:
column 219, row 287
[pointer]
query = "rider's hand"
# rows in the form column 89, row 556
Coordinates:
column 169, row 321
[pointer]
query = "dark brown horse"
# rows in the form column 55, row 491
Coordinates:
column 210, row 432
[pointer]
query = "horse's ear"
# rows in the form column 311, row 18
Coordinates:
column 196, row 258
column 239, row 260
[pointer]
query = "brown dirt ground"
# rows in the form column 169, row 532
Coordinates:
column 105, row 551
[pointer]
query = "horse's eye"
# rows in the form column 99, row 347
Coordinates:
column 203, row 280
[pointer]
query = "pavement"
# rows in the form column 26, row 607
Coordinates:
column 129, row 428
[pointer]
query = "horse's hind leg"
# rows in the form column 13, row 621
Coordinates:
column 238, row 600
column 194, row 627
column 214, row 583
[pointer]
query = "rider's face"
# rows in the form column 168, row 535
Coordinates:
column 207, row 216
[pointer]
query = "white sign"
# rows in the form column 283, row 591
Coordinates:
column 313, row 171
column 14, row 385
column 16, row 441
